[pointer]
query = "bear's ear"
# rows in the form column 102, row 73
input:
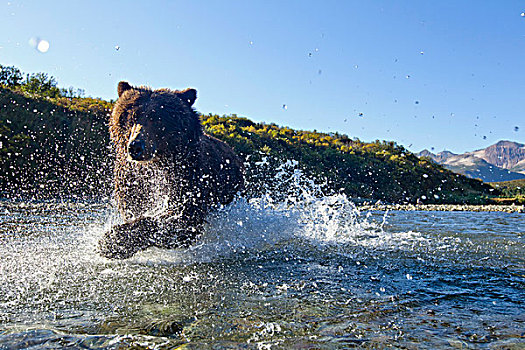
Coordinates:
column 188, row 95
column 123, row 86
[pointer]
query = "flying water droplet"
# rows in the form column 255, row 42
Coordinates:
column 523, row 14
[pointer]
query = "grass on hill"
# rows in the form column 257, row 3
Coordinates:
column 511, row 191
column 54, row 142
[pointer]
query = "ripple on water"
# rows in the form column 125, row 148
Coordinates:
column 315, row 273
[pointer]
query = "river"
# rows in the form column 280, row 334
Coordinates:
column 319, row 275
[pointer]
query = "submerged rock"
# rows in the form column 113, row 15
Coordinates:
column 163, row 328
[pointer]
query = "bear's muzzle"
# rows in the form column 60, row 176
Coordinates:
column 137, row 150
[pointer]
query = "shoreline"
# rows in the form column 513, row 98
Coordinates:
column 378, row 206
column 443, row 207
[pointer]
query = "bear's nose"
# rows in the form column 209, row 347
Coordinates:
column 136, row 149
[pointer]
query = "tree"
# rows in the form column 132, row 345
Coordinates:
column 10, row 76
column 71, row 92
column 41, row 84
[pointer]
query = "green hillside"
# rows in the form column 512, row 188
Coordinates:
column 513, row 190
column 53, row 142
column 378, row 170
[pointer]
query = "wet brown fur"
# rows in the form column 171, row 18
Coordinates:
column 165, row 198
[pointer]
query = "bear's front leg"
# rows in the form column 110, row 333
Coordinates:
column 173, row 237
column 124, row 240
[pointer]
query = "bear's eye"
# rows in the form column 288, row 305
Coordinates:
column 124, row 118
column 128, row 117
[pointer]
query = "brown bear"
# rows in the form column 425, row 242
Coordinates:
column 168, row 173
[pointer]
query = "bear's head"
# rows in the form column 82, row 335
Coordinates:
column 147, row 125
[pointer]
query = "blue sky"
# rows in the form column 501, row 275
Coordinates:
column 426, row 74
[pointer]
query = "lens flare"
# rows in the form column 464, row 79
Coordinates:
column 39, row 44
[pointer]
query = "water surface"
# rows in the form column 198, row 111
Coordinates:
column 319, row 275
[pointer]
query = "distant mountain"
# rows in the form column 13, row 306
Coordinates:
column 519, row 167
column 438, row 158
column 503, row 161
column 478, row 168
column 504, row 154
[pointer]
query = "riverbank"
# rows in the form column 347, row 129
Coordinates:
column 443, row 207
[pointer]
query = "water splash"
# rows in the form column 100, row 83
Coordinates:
column 292, row 211
column 265, row 270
